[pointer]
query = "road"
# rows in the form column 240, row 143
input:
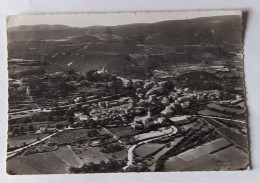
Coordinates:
column 130, row 155
column 15, row 152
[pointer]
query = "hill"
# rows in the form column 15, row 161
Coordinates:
column 131, row 50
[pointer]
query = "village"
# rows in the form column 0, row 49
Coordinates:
column 109, row 117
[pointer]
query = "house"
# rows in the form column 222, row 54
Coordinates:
column 180, row 119
column 167, row 111
column 143, row 122
column 185, row 105
column 225, row 102
column 51, row 130
column 160, row 120
column 102, row 104
column 152, row 98
column 78, row 99
column 113, row 103
column 43, row 129
column 165, row 101
column 138, row 125
column 82, row 117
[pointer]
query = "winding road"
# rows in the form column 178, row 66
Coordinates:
column 131, row 148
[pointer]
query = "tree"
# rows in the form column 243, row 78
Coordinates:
column 30, row 128
column 59, row 126
column 16, row 131
column 49, row 117
column 71, row 119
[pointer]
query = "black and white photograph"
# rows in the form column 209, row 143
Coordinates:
column 126, row 92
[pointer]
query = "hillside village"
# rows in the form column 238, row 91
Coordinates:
column 143, row 109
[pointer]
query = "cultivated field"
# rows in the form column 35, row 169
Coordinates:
column 68, row 156
column 69, row 136
column 90, row 154
column 41, row 163
column 147, row 149
column 19, row 140
column 214, row 155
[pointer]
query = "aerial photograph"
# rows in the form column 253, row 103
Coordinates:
column 126, row 92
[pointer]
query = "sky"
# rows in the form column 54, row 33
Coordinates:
column 110, row 19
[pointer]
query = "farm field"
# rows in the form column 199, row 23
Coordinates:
column 215, row 155
column 231, row 156
column 90, row 154
column 152, row 162
column 41, row 163
column 119, row 155
column 123, row 131
column 68, row 156
column 19, row 140
column 69, row 136
column 187, row 126
column 209, row 112
column 147, row 149
column 236, row 137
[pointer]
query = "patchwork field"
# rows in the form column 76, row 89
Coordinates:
column 69, row 136
column 234, row 136
column 91, row 154
column 147, row 149
column 68, row 156
column 19, row 140
column 211, row 156
column 41, row 163
column 123, row 131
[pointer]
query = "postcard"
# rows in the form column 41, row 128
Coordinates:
column 126, row 92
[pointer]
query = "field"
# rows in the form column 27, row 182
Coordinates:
column 41, row 163
column 215, row 155
column 123, row 131
column 152, row 162
column 90, row 154
column 68, row 156
column 236, row 158
column 209, row 112
column 19, row 140
column 70, row 136
column 234, row 136
column 147, row 149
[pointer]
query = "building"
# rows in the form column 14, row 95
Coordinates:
column 185, row 105
column 78, row 99
column 180, row 119
column 167, row 112
column 102, row 104
column 160, row 120
column 152, row 98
